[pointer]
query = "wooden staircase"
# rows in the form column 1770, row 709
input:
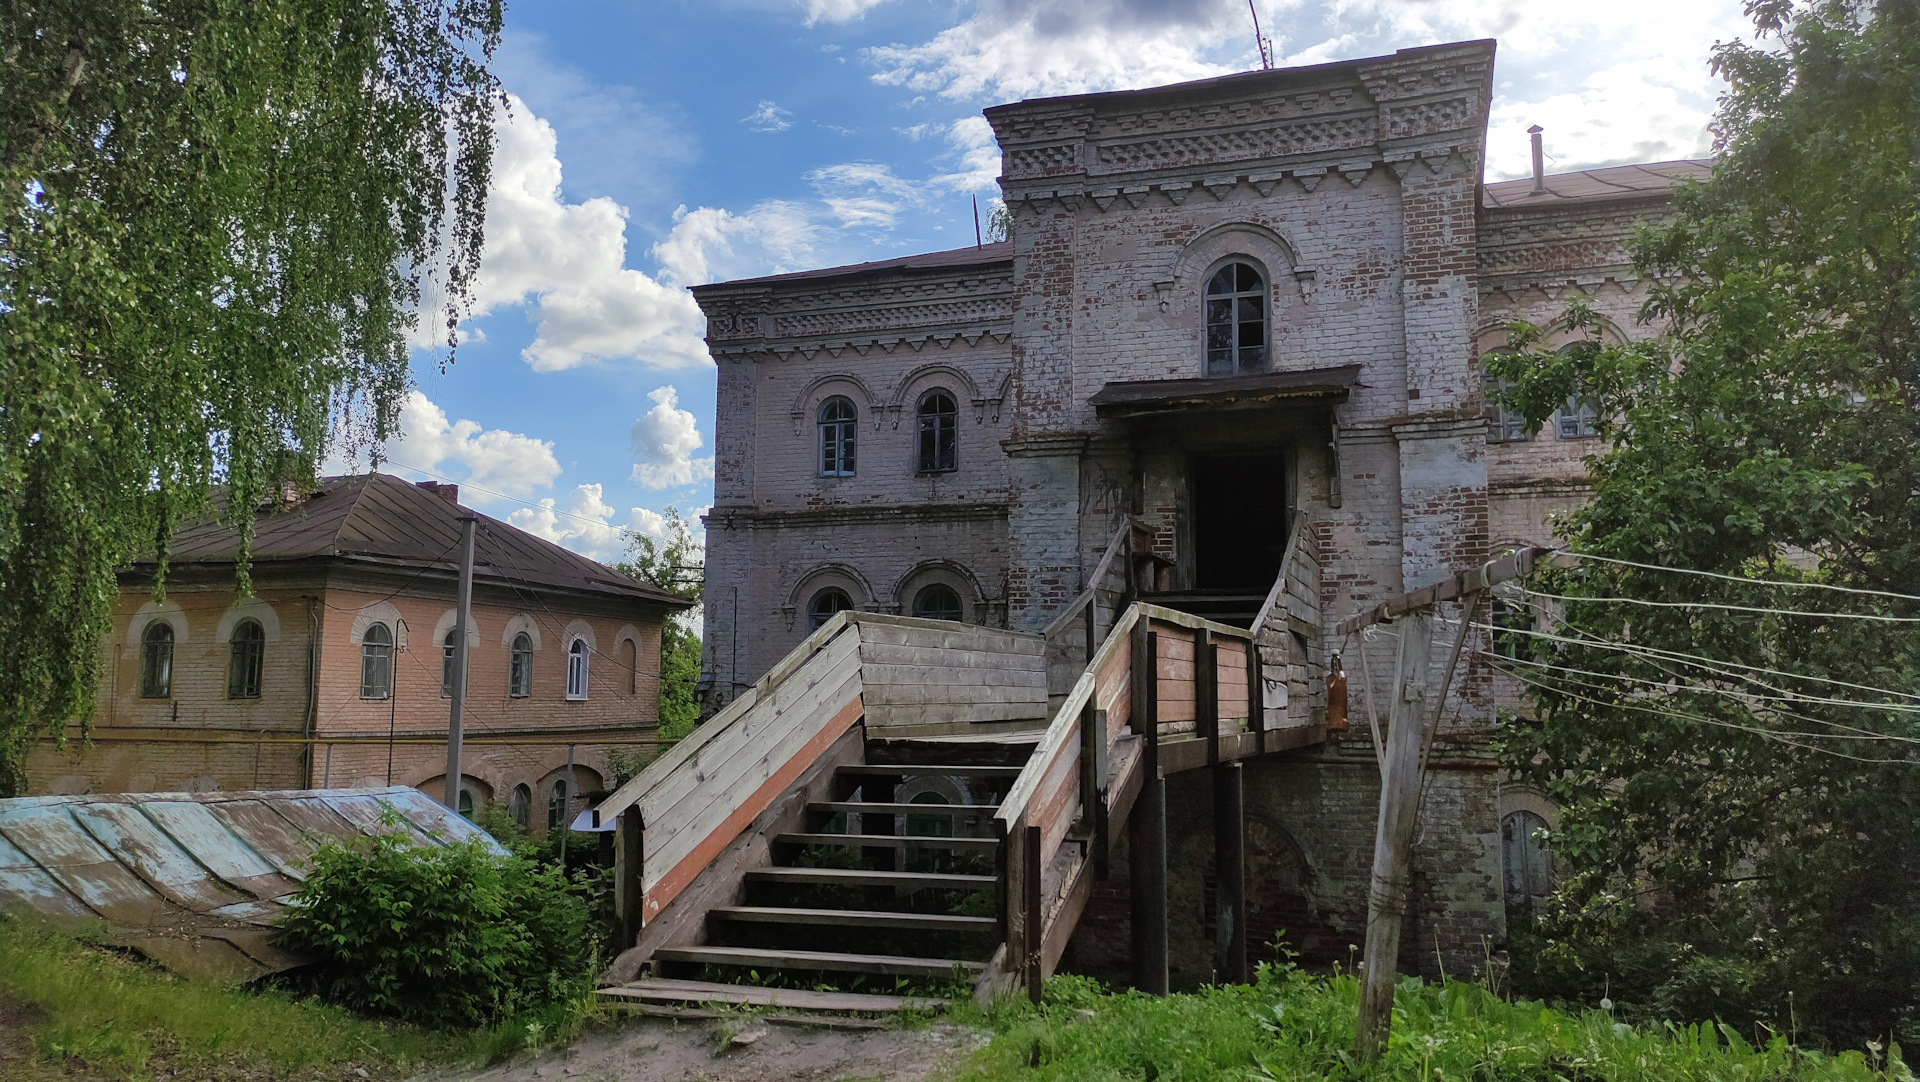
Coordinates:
column 786, row 854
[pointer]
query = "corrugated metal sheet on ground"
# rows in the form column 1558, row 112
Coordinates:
column 192, row 880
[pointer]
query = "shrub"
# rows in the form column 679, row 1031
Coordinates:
column 454, row 935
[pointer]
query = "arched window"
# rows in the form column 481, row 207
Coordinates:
column 630, row 661
column 376, row 663
column 156, row 661
column 1504, row 424
column 448, row 646
column 557, row 805
column 520, row 669
column 1236, row 320
column 929, row 825
column 939, row 433
column 937, row 602
column 577, row 669
column 466, row 802
column 1577, row 419
column 1527, row 858
column 824, row 603
column 520, row 806
column 838, row 420
column 246, row 650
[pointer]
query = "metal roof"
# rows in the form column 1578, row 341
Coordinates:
column 380, row 519
column 1592, row 185
column 1147, row 396
column 1000, row 251
column 192, row 880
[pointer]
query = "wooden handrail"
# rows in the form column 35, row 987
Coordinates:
column 1065, row 619
column 1276, row 594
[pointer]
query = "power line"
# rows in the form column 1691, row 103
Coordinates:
column 1738, row 578
column 1731, row 608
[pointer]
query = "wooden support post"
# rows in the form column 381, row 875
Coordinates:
column 1147, row 825
column 629, row 848
column 1093, row 623
column 1256, row 692
column 1093, row 785
column 1230, row 875
column 1033, row 936
column 1393, row 835
column 1206, row 692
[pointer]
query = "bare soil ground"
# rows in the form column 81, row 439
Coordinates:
column 741, row 1049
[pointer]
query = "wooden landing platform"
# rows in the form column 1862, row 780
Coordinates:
column 661, row 990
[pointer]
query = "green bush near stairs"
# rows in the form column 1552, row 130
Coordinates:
column 442, row 936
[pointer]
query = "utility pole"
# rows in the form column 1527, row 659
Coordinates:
column 458, row 695
column 1410, row 730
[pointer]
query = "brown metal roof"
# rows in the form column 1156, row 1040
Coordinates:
column 997, row 252
column 378, row 518
column 1138, row 397
column 194, row 881
column 1612, row 182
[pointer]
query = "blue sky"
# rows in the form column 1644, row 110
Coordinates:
column 655, row 145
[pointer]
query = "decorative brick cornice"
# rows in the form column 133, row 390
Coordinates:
column 721, row 518
column 833, row 314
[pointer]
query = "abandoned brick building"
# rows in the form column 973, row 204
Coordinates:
column 336, row 670
column 1229, row 310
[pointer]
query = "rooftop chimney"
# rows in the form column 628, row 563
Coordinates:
column 447, row 492
column 1539, row 161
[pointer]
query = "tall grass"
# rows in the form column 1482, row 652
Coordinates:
column 118, row 1015
column 1290, row 1026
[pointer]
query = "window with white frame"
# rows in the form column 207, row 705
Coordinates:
column 577, row 669
column 1576, row 420
column 376, row 662
column 156, row 661
column 1236, row 302
column 939, row 434
column 838, row 436
column 1504, row 424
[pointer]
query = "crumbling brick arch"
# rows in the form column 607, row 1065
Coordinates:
column 949, row 573
column 822, row 576
column 1287, row 281
column 820, row 388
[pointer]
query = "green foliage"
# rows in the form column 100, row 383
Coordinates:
column 450, row 935
column 221, row 217
column 1293, row 1027
column 1741, row 839
column 110, row 1013
column 675, row 562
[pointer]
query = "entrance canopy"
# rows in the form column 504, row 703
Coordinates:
column 1142, row 398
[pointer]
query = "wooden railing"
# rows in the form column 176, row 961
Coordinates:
column 1167, row 691
column 1291, row 637
column 1118, row 579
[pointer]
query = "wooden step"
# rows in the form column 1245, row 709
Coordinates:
column 861, row 877
column 661, row 990
column 875, row 807
column 889, row 964
column 890, row 841
column 855, row 918
column 901, row 770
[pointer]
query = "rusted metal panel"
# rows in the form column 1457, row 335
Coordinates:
column 193, row 880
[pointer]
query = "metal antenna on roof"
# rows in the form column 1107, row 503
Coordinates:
column 976, row 221
column 1260, row 41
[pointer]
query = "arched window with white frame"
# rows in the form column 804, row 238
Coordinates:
column 1237, row 323
column 577, row 654
column 156, row 661
column 520, row 667
column 938, row 447
column 839, row 422
column 376, row 662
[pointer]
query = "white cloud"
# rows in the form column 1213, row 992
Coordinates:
column 838, row 11
column 768, row 117
column 566, row 262
column 711, row 244
column 979, row 156
column 495, row 459
column 1618, row 82
column 664, row 440
column 586, row 524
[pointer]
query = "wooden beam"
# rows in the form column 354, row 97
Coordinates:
column 1230, row 874
column 1033, row 935
column 1459, row 584
column 628, row 847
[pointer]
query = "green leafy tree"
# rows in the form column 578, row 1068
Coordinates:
column 1736, row 758
column 675, row 562
column 220, row 218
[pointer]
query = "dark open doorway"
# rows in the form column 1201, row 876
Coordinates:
column 1239, row 520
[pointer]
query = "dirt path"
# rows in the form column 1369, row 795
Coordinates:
column 671, row 1050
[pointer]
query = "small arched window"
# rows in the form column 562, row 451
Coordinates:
column 824, row 603
column 448, row 646
column 1236, row 320
column 939, row 433
column 520, row 806
column 466, row 803
column 557, row 805
column 1527, row 858
column 937, row 602
column 520, row 668
column 246, row 651
column 838, row 422
column 376, row 663
column 630, row 661
column 156, row 661
column 577, row 670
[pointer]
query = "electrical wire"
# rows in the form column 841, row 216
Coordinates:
column 1730, row 608
column 1738, row 578
column 1787, row 697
